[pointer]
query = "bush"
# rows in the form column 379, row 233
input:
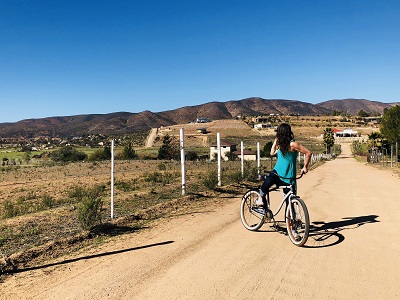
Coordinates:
column 192, row 156
column 48, row 201
column 101, row 154
column 129, row 152
column 67, row 154
column 127, row 186
column 80, row 192
column 235, row 176
column 89, row 212
column 158, row 177
column 210, row 179
column 9, row 209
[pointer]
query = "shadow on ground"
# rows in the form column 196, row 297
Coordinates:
column 68, row 261
column 327, row 234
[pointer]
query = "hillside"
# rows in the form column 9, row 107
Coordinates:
column 125, row 122
column 353, row 106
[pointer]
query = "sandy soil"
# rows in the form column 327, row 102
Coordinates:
column 352, row 252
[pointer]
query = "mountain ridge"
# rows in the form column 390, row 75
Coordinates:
column 125, row 122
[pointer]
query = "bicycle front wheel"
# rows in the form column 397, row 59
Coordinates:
column 251, row 218
column 298, row 225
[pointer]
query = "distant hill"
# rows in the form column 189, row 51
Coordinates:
column 125, row 122
column 353, row 106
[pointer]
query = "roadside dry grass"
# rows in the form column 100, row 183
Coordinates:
column 38, row 211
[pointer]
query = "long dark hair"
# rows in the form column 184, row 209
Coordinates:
column 284, row 135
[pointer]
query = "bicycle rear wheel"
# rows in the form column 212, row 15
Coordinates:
column 298, row 227
column 251, row 219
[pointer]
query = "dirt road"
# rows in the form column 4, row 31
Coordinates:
column 352, row 253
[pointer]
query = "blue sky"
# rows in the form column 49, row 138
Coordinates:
column 60, row 58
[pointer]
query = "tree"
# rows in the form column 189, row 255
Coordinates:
column 101, row 154
column 390, row 124
column 267, row 149
column 191, row 155
column 377, row 141
column 329, row 139
column 231, row 156
column 67, row 153
column 129, row 152
column 362, row 113
column 168, row 149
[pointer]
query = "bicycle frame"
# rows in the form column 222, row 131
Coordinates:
column 286, row 198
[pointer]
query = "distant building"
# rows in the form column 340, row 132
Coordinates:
column 373, row 120
column 226, row 147
column 262, row 125
column 348, row 132
column 203, row 120
column 248, row 154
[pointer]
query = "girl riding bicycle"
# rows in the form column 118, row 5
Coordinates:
column 286, row 149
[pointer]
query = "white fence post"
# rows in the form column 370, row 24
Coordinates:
column 183, row 171
column 242, row 157
column 112, row 179
column 219, row 157
column 258, row 158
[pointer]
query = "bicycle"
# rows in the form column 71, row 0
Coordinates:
column 296, row 212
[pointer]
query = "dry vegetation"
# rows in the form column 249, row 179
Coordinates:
column 38, row 204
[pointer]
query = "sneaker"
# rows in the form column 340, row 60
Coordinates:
column 259, row 201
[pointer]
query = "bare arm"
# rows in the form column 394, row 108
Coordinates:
column 298, row 147
column 274, row 147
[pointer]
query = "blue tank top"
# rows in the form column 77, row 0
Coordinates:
column 286, row 165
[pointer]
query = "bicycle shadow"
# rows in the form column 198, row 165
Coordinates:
column 329, row 234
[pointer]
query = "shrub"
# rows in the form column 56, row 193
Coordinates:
column 127, row 186
column 235, row 176
column 101, row 154
column 129, row 152
column 67, row 154
column 80, row 192
column 158, row 177
column 47, row 201
column 210, row 179
column 9, row 209
column 192, row 156
column 89, row 212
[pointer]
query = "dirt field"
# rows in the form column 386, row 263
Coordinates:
column 351, row 253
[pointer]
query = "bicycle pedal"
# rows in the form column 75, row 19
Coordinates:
column 258, row 210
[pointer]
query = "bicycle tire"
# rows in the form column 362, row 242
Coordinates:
column 251, row 220
column 298, row 228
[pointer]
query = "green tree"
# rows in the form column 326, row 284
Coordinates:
column 101, row 154
column 27, row 157
column 67, row 153
column 377, row 140
column 129, row 152
column 329, row 139
column 231, row 156
column 267, row 149
column 169, row 149
column 362, row 113
column 390, row 124
column 191, row 155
